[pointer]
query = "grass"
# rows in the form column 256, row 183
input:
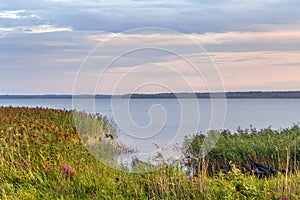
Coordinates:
column 268, row 147
column 42, row 157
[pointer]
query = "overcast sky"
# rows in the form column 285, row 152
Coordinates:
column 61, row 46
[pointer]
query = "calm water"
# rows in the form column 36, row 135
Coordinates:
column 259, row 113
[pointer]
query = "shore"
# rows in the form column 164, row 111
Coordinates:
column 43, row 157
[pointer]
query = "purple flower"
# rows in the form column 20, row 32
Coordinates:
column 284, row 197
column 67, row 169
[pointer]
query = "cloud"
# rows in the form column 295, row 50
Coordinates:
column 54, row 55
column 32, row 29
column 22, row 21
column 254, row 43
column 296, row 64
column 276, row 40
column 187, row 16
column 14, row 14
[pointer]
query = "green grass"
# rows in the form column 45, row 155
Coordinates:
column 268, row 147
column 36, row 142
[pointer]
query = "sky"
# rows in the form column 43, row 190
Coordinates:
column 108, row 47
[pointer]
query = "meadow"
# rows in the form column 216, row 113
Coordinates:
column 43, row 157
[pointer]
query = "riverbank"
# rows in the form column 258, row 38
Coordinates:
column 42, row 157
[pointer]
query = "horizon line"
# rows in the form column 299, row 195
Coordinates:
column 159, row 93
column 198, row 95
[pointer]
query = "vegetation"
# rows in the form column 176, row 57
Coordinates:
column 279, row 150
column 205, row 95
column 42, row 157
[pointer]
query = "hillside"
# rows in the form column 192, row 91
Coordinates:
column 42, row 157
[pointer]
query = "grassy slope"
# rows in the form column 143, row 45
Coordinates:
column 35, row 143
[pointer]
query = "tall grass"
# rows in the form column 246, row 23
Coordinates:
column 42, row 157
column 277, row 149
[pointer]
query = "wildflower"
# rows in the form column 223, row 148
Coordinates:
column 284, row 197
column 67, row 169
column 27, row 165
column 289, row 189
column 199, row 181
column 46, row 168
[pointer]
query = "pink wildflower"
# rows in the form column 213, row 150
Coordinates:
column 199, row 181
column 67, row 169
column 284, row 197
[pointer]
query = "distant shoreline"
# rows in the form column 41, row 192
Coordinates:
column 229, row 95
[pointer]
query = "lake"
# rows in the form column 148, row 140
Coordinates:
column 167, row 117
